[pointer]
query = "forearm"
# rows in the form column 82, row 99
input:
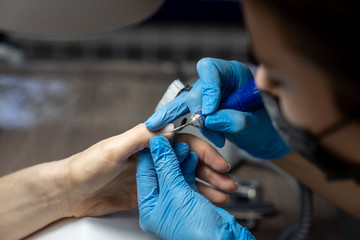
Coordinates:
column 345, row 194
column 31, row 199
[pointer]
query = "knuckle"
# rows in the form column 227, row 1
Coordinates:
column 237, row 64
column 106, row 149
column 204, row 62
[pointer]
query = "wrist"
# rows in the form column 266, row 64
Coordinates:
column 31, row 199
column 243, row 233
column 238, row 232
column 234, row 231
column 57, row 187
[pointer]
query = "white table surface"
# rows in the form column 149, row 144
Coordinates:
column 120, row 225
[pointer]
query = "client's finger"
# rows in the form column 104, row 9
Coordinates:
column 210, row 169
column 213, row 195
column 219, row 180
column 122, row 146
column 206, row 153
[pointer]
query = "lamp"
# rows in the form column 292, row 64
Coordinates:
column 71, row 18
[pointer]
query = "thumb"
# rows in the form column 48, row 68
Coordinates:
column 146, row 180
column 228, row 120
column 166, row 164
column 188, row 167
column 168, row 113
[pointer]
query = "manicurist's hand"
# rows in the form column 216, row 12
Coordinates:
column 170, row 205
column 218, row 78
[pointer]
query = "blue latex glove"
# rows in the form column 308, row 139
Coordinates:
column 252, row 132
column 169, row 208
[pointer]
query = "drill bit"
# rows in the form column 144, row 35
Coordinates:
column 199, row 180
column 182, row 126
column 195, row 121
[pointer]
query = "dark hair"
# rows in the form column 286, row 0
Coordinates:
column 326, row 32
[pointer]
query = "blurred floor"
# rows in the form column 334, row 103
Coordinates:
column 50, row 110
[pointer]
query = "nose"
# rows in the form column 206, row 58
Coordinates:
column 263, row 82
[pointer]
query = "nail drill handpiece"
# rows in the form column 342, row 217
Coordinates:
column 246, row 99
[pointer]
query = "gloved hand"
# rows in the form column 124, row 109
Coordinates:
column 169, row 205
column 252, row 132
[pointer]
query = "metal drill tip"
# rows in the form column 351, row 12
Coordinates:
column 181, row 127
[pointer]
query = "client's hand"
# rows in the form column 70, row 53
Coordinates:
column 102, row 178
column 97, row 181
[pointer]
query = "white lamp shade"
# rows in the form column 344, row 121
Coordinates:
column 71, row 18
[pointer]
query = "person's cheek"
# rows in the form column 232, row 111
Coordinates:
column 290, row 109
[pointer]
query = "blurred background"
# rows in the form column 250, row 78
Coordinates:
column 59, row 97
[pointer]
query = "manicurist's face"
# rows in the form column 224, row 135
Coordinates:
column 302, row 89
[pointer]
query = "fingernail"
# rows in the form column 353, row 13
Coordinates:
column 229, row 167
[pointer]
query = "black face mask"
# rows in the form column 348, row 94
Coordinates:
column 308, row 145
